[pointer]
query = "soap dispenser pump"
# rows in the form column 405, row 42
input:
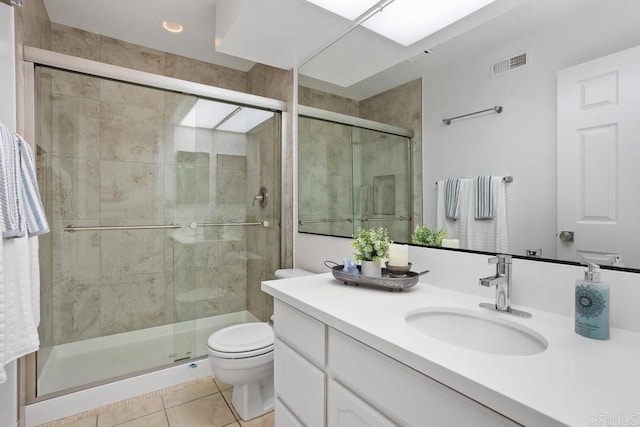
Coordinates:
column 592, row 305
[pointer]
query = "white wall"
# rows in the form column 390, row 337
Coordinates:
column 8, row 390
column 522, row 140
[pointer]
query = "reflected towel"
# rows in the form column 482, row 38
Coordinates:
column 483, row 197
column 451, row 198
column 480, row 235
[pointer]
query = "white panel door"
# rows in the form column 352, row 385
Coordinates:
column 599, row 159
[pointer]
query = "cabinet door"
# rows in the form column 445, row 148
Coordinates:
column 299, row 385
column 345, row 409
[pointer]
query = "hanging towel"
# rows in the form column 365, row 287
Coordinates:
column 455, row 229
column 480, row 235
column 19, row 299
column 483, row 197
column 22, row 209
column 451, row 198
column 491, row 236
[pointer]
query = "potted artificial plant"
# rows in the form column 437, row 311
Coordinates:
column 371, row 246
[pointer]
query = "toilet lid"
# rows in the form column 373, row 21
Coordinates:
column 242, row 338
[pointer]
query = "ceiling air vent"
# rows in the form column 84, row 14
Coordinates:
column 515, row 62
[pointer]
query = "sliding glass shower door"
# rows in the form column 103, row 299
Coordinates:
column 351, row 177
column 156, row 241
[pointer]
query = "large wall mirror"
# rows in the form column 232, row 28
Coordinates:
column 566, row 75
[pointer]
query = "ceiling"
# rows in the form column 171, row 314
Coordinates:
column 285, row 33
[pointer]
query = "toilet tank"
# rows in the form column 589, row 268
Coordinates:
column 287, row 273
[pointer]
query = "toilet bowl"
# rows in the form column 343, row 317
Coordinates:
column 242, row 355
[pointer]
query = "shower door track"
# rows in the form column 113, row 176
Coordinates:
column 114, row 72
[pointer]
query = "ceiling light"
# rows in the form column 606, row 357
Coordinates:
column 207, row 114
column 172, row 26
column 245, row 120
column 350, row 9
column 407, row 21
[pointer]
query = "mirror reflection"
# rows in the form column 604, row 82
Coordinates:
column 564, row 73
column 353, row 177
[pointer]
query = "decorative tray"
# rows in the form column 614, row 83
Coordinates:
column 388, row 281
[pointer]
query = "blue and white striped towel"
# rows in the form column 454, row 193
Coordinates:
column 451, row 198
column 19, row 195
column 484, row 198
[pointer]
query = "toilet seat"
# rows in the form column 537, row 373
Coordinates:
column 241, row 341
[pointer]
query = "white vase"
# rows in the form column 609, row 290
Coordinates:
column 371, row 268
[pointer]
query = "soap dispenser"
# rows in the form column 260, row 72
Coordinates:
column 592, row 305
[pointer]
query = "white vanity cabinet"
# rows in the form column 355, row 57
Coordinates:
column 325, row 377
column 299, row 362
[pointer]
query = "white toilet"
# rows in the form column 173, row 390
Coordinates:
column 242, row 355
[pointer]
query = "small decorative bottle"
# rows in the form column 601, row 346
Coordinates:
column 592, row 306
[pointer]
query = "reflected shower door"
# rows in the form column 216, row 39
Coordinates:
column 325, row 177
column 382, row 182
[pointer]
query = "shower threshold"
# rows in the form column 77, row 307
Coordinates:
column 98, row 359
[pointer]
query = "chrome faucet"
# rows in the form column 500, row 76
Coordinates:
column 502, row 281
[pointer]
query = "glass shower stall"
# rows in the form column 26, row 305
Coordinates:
column 158, row 238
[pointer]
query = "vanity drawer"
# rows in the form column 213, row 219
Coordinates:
column 299, row 384
column 345, row 409
column 403, row 394
column 301, row 332
column 284, row 417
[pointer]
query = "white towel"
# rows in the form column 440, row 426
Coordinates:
column 19, row 299
column 480, row 235
column 22, row 216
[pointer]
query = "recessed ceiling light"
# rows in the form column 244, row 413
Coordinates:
column 172, row 26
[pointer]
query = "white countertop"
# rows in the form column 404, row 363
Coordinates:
column 576, row 381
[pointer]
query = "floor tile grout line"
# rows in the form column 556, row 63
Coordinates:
column 230, row 408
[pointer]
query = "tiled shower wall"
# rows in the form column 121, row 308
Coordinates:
column 262, row 255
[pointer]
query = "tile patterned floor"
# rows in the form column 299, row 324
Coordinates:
column 199, row 403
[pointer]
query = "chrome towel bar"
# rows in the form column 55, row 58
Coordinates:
column 73, row 228
column 195, row 225
column 320, row 221
column 398, row 218
column 497, row 109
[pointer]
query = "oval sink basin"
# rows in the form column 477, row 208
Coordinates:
column 475, row 331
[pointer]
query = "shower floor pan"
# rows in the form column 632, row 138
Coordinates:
column 98, row 359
